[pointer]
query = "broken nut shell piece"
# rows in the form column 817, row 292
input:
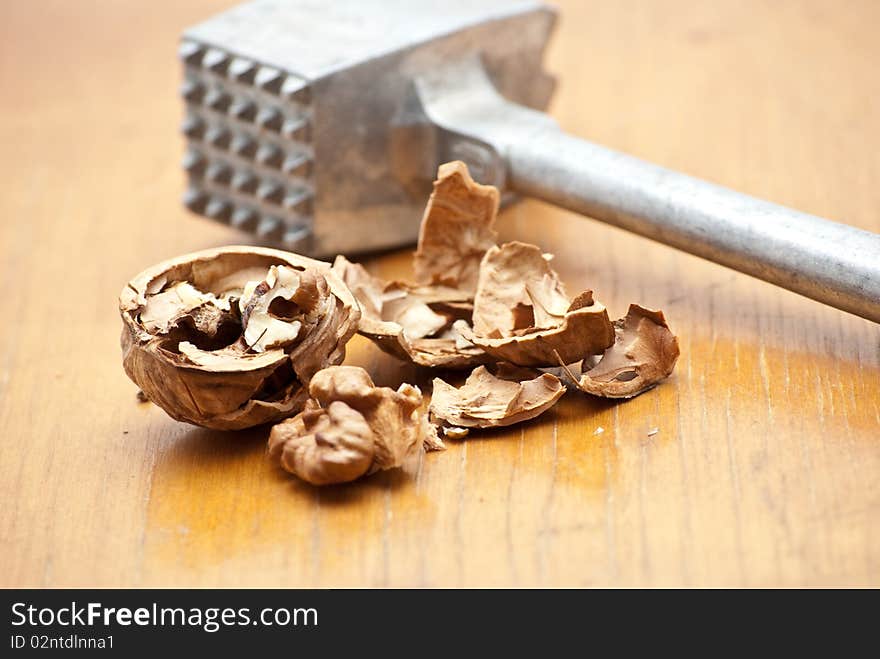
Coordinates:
column 643, row 354
column 351, row 428
column 457, row 228
column 403, row 324
column 522, row 314
column 487, row 401
column 185, row 332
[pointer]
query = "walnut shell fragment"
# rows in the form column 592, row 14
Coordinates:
column 522, row 314
column 229, row 338
column 643, row 354
column 351, row 428
column 488, row 401
column 457, row 228
column 417, row 324
column 425, row 322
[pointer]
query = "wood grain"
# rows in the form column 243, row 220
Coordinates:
column 764, row 467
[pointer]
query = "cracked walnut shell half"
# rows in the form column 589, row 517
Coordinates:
column 229, row 338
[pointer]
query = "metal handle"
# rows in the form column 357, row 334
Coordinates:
column 524, row 150
column 830, row 262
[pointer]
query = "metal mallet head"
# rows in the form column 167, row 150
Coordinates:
column 300, row 120
column 319, row 126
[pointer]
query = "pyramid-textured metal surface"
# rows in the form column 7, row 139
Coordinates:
column 298, row 112
column 248, row 157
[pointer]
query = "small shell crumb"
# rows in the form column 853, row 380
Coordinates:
column 454, row 432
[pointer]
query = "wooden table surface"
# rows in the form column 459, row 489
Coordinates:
column 765, row 467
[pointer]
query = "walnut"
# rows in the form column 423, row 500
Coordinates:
column 351, row 428
column 522, row 314
column 643, row 354
column 229, row 338
column 457, row 229
column 486, row 400
column 324, row 446
column 417, row 324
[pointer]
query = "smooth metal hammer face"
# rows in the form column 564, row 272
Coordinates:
column 319, row 126
column 300, row 124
